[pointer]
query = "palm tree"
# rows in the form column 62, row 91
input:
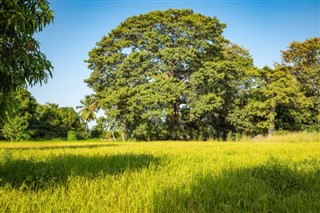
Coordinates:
column 89, row 107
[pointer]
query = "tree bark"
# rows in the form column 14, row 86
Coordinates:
column 178, row 122
column 114, row 138
column 271, row 128
column 123, row 137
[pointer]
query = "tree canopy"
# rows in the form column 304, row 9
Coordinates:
column 31, row 120
column 303, row 62
column 21, row 61
column 88, row 109
column 149, row 74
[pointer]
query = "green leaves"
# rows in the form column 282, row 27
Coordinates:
column 34, row 120
column 149, row 70
column 302, row 59
column 89, row 106
column 274, row 93
column 21, row 61
column 172, row 75
column 15, row 128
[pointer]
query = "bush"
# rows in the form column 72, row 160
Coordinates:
column 72, row 136
column 14, row 128
column 25, row 137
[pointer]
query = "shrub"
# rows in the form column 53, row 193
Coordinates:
column 72, row 136
column 25, row 137
column 14, row 128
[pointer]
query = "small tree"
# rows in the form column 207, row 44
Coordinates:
column 72, row 136
column 15, row 128
column 88, row 109
column 22, row 118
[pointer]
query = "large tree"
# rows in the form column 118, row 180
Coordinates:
column 142, row 70
column 303, row 62
column 21, row 61
column 272, row 100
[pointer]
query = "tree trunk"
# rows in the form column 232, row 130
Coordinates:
column 86, row 128
column 177, row 123
column 271, row 128
column 114, row 138
column 123, row 138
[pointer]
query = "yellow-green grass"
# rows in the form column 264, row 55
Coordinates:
column 160, row 177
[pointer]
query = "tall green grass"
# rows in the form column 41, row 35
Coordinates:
column 294, row 137
column 160, row 177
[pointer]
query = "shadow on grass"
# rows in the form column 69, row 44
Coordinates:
column 265, row 188
column 41, row 147
column 56, row 171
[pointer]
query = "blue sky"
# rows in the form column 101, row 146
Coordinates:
column 263, row 27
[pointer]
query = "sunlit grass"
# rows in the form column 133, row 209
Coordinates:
column 160, row 177
column 296, row 137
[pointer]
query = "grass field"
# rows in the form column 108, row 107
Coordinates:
column 160, row 177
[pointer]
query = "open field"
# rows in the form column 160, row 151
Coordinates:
column 159, row 177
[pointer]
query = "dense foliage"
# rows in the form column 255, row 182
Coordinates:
column 22, row 64
column 303, row 62
column 21, row 61
column 31, row 120
column 166, row 75
column 172, row 75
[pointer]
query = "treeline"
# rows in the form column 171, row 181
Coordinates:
column 29, row 120
column 171, row 75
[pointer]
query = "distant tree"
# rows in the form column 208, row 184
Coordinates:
column 55, row 122
column 142, row 68
column 21, row 61
column 88, row 109
column 70, row 119
column 303, row 62
column 14, row 128
column 100, row 128
column 272, row 93
column 48, row 121
column 20, row 120
column 31, row 120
